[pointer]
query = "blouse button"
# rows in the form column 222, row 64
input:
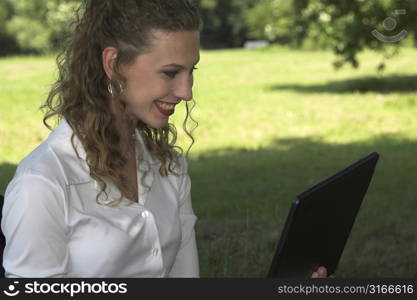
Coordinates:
column 145, row 214
column 155, row 251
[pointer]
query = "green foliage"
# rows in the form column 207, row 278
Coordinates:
column 36, row 26
column 59, row 17
column 344, row 26
column 3, row 15
column 347, row 26
column 7, row 41
column 28, row 27
column 272, row 20
column 34, row 9
column 224, row 22
column 31, row 35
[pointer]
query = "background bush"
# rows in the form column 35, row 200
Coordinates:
column 36, row 26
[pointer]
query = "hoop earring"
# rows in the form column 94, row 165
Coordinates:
column 110, row 89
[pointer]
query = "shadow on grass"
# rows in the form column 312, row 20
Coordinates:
column 386, row 84
column 6, row 174
column 242, row 199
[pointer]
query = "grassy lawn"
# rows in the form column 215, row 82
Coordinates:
column 272, row 122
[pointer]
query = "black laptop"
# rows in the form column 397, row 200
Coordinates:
column 320, row 220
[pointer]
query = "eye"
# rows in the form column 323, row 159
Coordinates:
column 171, row 74
column 193, row 69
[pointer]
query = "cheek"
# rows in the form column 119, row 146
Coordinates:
column 136, row 92
column 146, row 87
column 156, row 90
column 144, row 95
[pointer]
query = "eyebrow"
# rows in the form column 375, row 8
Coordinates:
column 179, row 66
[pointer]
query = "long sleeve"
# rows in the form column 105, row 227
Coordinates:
column 186, row 263
column 34, row 227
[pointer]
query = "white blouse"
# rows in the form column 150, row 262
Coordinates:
column 55, row 228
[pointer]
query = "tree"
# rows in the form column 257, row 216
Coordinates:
column 346, row 26
column 224, row 22
column 350, row 26
column 273, row 20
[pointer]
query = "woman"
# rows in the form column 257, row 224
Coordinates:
column 106, row 195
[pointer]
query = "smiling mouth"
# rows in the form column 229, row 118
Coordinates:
column 164, row 108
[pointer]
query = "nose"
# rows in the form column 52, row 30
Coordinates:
column 184, row 88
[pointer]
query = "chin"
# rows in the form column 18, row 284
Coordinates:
column 157, row 125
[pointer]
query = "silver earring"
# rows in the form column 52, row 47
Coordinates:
column 110, row 89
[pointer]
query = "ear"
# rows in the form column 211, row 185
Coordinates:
column 109, row 55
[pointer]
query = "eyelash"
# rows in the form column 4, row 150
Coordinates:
column 172, row 74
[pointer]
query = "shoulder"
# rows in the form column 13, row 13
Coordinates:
column 32, row 198
column 55, row 159
column 32, row 187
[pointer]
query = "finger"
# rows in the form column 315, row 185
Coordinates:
column 322, row 272
column 314, row 275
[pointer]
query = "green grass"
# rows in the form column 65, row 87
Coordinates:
column 272, row 123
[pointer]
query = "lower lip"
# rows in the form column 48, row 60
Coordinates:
column 163, row 111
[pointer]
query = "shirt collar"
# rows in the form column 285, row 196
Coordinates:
column 77, row 169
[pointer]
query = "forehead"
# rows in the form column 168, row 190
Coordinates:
column 182, row 47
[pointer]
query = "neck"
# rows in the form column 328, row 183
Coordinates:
column 125, row 125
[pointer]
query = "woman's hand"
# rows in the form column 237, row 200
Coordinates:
column 320, row 273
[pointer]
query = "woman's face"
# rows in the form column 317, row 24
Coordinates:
column 159, row 79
